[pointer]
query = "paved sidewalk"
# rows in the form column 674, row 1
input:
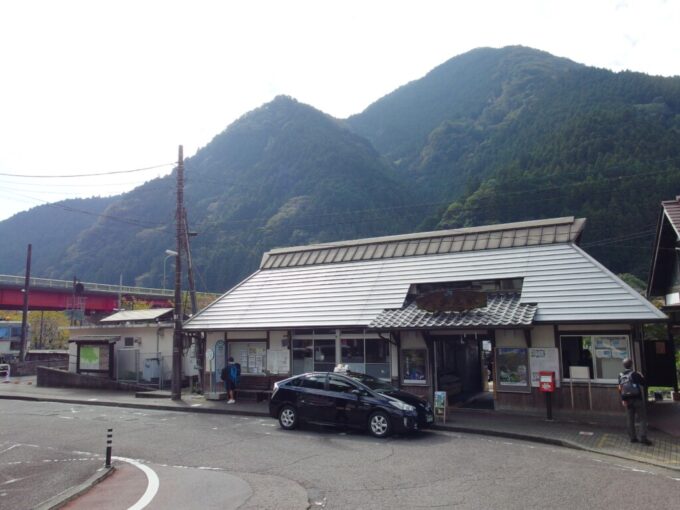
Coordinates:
column 605, row 438
column 602, row 438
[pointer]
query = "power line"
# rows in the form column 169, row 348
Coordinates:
column 615, row 240
column 83, row 185
column 129, row 221
column 114, row 172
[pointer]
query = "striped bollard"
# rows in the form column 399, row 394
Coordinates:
column 109, row 441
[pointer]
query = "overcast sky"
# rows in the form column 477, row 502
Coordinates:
column 102, row 86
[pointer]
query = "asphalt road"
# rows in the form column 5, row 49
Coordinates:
column 217, row 461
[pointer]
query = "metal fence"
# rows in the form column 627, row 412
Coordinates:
column 144, row 369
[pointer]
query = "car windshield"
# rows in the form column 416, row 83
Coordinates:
column 372, row 382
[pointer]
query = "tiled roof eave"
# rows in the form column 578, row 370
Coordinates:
column 502, row 311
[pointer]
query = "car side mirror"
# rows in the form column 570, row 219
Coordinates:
column 358, row 393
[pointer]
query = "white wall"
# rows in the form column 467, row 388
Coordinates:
column 72, row 357
column 412, row 340
column 543, row 336
column 276, row 339
column 510, row 338
column 246, row 335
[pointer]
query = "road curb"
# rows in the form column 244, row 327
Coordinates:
column 60, row 500
column 130, row 405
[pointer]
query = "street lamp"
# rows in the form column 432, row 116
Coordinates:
column 169, row 253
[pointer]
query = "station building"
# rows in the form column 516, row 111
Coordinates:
column 476, row 312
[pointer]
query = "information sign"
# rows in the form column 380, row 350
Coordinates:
column 544, row 359
column 440, row 404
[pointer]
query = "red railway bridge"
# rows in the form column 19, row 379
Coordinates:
column 60, row 295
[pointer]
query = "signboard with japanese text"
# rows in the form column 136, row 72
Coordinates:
column 544, row 359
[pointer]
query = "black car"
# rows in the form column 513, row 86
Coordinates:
column 348, row 399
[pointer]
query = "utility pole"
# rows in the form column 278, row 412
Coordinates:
column 190, row 266
column 24, row 315
column 200, row 338
column 177, row 338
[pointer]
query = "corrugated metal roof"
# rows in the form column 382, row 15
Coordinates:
column 672, row 210
column 109, row 339
column 137, row 315
column 565, row 282
column 501, row 310
column 489, row 237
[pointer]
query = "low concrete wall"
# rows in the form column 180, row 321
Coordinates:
column 30, row 367
column 55, row 378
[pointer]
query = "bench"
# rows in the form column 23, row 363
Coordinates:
column 250, row 394
column 256, row 388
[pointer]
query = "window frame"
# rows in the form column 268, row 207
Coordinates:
column 312, row 376
column 231, row 344
column 592, row 350
column 345, row 380
column 419, row 382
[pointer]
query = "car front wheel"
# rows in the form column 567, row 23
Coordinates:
column 288, row 417
column 379, row 424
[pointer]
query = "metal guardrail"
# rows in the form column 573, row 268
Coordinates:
column 48, row 283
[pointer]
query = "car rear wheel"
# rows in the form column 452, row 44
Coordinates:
column 288, row 417
column 379, row 424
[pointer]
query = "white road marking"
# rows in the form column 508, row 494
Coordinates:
column 151, row 488
column 10, row 448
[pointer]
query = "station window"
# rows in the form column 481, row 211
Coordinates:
column 317, row 355
column 251, row 355
column 601, row 354
column 366, row 355
column 414, row 366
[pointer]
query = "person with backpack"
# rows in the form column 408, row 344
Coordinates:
column 633, row 397
column 231, row 374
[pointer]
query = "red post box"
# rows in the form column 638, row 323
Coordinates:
column 546, row 381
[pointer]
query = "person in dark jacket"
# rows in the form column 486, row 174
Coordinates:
column 231, row 374
column 632, row 388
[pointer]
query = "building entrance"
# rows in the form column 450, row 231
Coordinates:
column 462, row 363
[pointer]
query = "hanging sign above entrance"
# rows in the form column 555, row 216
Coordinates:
column 451, row 300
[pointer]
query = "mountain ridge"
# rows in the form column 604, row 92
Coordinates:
column 490, row 136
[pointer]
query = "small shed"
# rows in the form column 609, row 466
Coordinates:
column 139, row 347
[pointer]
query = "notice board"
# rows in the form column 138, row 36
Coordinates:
column 544, row 359
column 512, row 370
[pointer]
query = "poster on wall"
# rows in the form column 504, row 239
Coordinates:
column 278, row 361
column 89, row 357
column 512, row 370
column 544, row 359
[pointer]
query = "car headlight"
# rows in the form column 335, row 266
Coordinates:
column 402, row 405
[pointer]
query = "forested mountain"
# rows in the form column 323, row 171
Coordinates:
column 282, row 174
column 493, row 135
column 51, row 229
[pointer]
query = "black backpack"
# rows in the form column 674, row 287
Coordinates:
column 629, row 389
